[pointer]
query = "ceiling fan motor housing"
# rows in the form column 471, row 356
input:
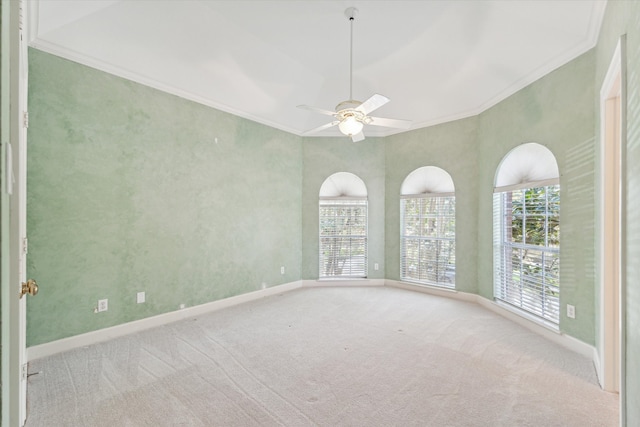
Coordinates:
column 348, row 105
column 347, row 109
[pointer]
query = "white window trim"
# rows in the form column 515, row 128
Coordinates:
column 500, row 245
column 403, row 237
column 525, row 185
column 345, row 203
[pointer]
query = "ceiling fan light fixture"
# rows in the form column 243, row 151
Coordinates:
column 350, row 126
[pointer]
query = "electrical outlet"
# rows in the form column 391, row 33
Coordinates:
column 103, row 305
column 376, row 267
column 140, row 297
column 571, row 311
column 181, row 306
column 282, row 270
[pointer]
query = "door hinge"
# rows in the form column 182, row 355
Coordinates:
column 25, row 246
column 21, row 18
column 25, row 119
column 24, row 372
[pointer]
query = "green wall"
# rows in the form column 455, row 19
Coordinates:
column 557, row 112
column 323, row 157
column 623, row 17
column 129, row 191
column 452, row 147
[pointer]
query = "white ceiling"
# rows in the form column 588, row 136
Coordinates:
column 437, row 60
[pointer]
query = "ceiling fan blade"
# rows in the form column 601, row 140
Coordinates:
column 323, row 127
column 357, row 137
column 373, row 103
column 390, row 123
column 317, row 110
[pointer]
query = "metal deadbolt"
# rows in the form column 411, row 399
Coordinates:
column 31, row 288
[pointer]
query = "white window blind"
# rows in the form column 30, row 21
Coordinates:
column 527, row 250
column 343, row 238
column 428, row 249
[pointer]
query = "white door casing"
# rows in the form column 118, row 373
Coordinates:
column 612, row 226
column 13, row 215
column 14, row 391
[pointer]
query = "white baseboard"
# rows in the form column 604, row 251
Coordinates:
column 342, row 283
column 566, row 341
column 431, row 290
column 77, row 341
column 82, row 340
column 552, row 335
column 598, row 366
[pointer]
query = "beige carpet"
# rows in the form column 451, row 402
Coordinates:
column 325, row 356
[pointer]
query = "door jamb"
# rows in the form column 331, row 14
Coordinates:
column 613, row 299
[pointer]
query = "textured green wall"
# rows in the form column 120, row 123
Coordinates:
column 623, row 17
column 452, row 147
column 129, row 191
column 323, row 157
column 557, row 112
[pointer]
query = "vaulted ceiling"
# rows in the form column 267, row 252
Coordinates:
column 436, row 60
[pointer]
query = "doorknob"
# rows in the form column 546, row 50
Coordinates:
column 31, row 288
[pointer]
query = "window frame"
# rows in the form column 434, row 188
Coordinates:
column 548, row 309
column 423, row 239
column 356, row 242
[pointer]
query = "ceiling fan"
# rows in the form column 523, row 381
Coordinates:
column 352, row 115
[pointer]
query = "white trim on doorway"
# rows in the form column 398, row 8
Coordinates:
column 612, row 223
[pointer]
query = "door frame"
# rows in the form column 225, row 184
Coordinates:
column 613, row 196
column 13, row 213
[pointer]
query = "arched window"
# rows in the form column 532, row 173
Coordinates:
column 428, row 228
column 343, row 227
column 526, row 217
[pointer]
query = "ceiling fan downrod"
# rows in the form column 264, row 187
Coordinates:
column 351, row 14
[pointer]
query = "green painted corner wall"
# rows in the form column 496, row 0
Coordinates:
column 132, row 189
column 129, row 191
column 453, row 147
column 323, row 157
column 623, row 17
column 557, row 112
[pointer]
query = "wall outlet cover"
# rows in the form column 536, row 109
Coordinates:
column 571, row 311
column 140, row 297
column 103, row 305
